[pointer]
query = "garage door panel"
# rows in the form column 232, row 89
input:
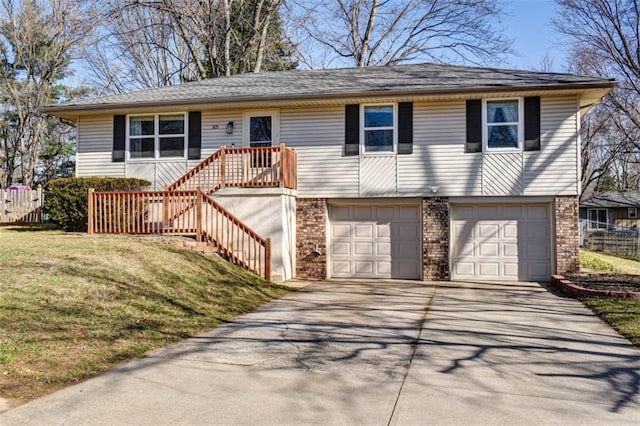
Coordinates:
column 383, row 230
column 510, row 230
column 512, row 212
column 488, row 269
column 411, row 214
column 363, row 213
column 363, row 267
column 487, row 212
column 375, row 241
column 501, row 242
column 488, row 230
column 537, row 213
column 383, row 268
column 510, row 249
column 364, row 230
column 489, row 249
column 511, row 270
column 340, row 231
column 385, row 213
column 341, row 268
column 341, row 248
column 363, row 248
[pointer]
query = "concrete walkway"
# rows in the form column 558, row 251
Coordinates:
column 393, row 352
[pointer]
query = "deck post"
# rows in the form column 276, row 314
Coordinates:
column 223, row 161
column 91, row 211
column 284, row 166
column 165, row 208
column 199, row 203
column 267, row 260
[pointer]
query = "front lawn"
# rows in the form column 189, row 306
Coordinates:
column 73, row 306
column 602, row 271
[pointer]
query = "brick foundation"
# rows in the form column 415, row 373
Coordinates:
column 311, row 236
column 567, row 240
column 435, row 240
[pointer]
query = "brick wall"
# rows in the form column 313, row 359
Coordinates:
column 311, row 235
column 567, row 240
column 435, row 240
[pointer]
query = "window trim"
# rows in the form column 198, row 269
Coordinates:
column 520, row 124
column 156, row 137
column 591, row 228
column 275, row 125
column 631, row 215
column 363, row 150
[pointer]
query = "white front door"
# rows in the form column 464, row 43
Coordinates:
column 261, row 128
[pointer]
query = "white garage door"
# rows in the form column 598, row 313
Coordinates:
column 501, row 242
column 375, row 241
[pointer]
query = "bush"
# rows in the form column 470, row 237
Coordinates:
column 66, row 200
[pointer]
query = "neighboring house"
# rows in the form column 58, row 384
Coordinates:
column 617, row 209
column 413, row 171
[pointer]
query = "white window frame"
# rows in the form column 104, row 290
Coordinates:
column 591, row 228
column 632, row 213
column 363, row 150
column 275, row 125
column 519, row 123
column 156, row 136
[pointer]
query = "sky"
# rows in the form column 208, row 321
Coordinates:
column 530, row 26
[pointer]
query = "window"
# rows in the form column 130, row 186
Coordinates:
column 502, row 125
column 378, row 128
column 157, row 136
column 632, row 212
column 597, row 218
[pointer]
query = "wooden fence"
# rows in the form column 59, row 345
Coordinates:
column 189, row 212
column 21, row 206
column 617, row 243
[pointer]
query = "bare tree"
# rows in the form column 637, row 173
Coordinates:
column 164, row 42
column 37, row 43
column 605, row 39
column 384, row 32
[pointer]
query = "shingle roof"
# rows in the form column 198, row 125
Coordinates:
column 616, row 198
column 408, row 79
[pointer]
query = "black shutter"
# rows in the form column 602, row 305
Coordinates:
column 532, row 123
column 352, row 129
column 119, row 138
column 474, row 126
column 195, row 135
column 405, row 128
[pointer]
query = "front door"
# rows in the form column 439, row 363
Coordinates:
column 260, row 131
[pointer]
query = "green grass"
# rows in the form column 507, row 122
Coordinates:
column 73, row 306
column 605, row 262
column 596, row 261
column 621, row 314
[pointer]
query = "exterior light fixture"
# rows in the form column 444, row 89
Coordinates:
column 230, row 128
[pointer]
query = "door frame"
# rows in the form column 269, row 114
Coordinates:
column 275, row 125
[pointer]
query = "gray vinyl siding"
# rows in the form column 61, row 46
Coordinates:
column 95, row 143
column 317, row 134
column 438, row 165
column 438, row 160
column 214, row 138
column 554, row 169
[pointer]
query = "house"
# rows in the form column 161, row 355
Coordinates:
column 426, row 171
column 617, row 209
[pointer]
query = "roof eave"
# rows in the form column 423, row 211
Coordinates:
column 70, row 111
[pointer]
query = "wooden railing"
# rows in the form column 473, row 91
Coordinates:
column 190, row 212
column 242, row 167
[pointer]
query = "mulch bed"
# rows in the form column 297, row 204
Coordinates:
column 598, row 285
column 607, row 281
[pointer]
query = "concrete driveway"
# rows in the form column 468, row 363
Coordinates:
column 392, row 352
